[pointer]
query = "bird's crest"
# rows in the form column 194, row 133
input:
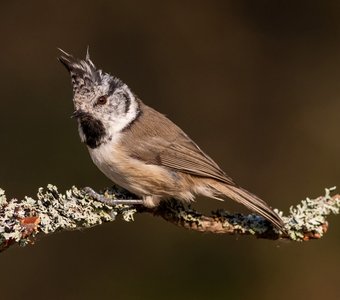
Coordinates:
column 84, row 73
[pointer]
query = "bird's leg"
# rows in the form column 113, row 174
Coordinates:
column 101, row 198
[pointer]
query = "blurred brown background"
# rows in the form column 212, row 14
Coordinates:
column 254, row 83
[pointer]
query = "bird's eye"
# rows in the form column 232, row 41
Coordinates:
column 101, row 100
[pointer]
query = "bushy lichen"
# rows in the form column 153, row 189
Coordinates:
column 52, row 211
column 310, row 215
column 56, row 211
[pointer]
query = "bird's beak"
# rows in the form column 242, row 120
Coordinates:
column 78, row 114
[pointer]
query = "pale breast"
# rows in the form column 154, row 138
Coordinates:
column 130, row 173
column 109, row 159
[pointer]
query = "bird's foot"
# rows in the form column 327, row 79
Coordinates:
column 101, row 198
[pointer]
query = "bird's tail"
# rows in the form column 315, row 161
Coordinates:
column 250, row 201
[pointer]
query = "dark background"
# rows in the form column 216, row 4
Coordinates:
column 254, row 83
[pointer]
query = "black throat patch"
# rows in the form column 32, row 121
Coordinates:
column 93, row 130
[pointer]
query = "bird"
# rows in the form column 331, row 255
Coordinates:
column 142, row 150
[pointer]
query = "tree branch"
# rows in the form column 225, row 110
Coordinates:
column 21, row 221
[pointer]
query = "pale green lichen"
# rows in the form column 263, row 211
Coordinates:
column 3, row 199
column 56, row 211
column 307, row 217
column 310, row 215
column 75, row 210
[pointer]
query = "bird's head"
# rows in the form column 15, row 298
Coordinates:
column 104, row 105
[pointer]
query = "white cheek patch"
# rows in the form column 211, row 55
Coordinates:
column 122, row 120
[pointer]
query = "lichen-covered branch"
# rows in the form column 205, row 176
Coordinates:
column 51, row 211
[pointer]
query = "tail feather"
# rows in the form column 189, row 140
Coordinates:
column 252, row 202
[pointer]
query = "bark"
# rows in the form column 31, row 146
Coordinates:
column 51, row 211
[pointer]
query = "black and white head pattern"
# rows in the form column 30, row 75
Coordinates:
column 104, row 105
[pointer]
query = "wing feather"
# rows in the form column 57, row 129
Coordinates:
column 183, row 155
column 177, row 151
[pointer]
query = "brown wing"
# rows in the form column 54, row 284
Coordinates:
column 184, row 155
column 161, row 142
